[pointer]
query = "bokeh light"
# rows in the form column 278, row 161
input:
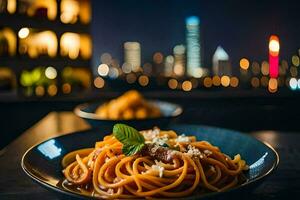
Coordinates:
column 40, row 90
column 216, row 81
column 143, row 80
column 255, row 68
column 187, row 86
column 173, row 83
column 274, row 46
column 66, row 88
column 130, row 78
column 147, row 69
column 273, row 85
column 265, row 68
column 207, row 82
column 293, row 83
column 113, row 73
column 234, row 81
column 106, row 58
column 126, row 68
column 178, row 69
column 295, row 60
column 99, row 82
column 244, row 63
column 225, row 81
column 52, row 90
column 103, row 70
column 158, row 57
column 255, row 82
column 23, row 33
column 50, row 73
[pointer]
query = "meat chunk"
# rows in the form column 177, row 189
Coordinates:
column 163, row 154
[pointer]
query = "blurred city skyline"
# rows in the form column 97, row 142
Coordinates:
column 242, row 29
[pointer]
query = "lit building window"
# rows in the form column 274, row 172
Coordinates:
column 70, row 45
column 73, row 44
column 41, row 7
column 69, row 11
column 36, row 43
column 8, row 42
column 73, row 10
column 85, row 46
column 7, row 79
column 8, row 6
column 78, row 78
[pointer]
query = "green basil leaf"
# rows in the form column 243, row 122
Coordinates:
column 129, row 150
column 131, row 139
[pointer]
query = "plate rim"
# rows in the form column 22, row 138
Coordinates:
column 241, row 186
column 92, row 116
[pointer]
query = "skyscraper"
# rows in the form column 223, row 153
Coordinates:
column 132, row 55
column 179, row 60
column 221, row 63
column 193, row 46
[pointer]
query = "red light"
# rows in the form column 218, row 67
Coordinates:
column 274, row 47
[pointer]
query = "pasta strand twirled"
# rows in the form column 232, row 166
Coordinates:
column 104, row 171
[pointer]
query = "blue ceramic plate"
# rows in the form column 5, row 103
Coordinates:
column 170, row 112
column 42, row 162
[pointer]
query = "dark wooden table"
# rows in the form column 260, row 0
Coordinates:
column 14, row 184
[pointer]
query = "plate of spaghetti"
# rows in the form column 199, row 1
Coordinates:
column 130, row 108
column 183, row 161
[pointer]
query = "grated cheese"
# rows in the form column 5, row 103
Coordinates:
column 150, row 134
column 182, row 138
column 160, row 141
column 194, row 152
column 158, row 168
column 207, row 152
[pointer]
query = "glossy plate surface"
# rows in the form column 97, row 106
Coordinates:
column 170, row 112
column 42, row 162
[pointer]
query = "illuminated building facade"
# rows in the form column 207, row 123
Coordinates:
column 132, row 55
column 48, row 52
column 221, row 63
column 193, row 46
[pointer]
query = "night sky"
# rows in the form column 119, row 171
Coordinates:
column 242, row 28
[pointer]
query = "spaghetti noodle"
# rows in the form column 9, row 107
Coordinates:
column 169, row 165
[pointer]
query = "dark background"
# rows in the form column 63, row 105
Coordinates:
column 241, row 27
